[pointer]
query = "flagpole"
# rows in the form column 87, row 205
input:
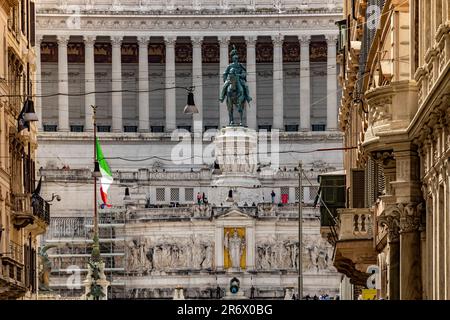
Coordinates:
column 96, row 245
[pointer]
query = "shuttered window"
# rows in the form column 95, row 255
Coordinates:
column 358, row 188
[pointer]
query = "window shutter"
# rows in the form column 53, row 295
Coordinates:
column 32, row 24
column 358, row 188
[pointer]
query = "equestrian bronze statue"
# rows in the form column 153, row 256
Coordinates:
column 235, row 88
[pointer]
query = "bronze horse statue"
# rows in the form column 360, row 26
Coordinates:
column 235, row 99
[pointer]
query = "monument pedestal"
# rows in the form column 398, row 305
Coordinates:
column 237, row 156
column 235, row 296
column 101, row 281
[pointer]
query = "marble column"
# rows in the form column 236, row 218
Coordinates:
column 117, row 84
column 89, row 72
column 63, row 84
column 251, row 256
column 218, row 235
column 38, row 100
column 410, row 245
column 278, row 114
column 170, row 84
column 197, row 82
column 305, row 84
column 251, row 81
column 408, row 195
column 391, row 219
column 224, row 59
column 144, row 103
column 332, row 107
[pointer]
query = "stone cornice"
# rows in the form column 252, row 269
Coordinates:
column 143, row 11
column 160, row 25
column 322, row 136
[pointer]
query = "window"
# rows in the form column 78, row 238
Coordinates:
column 318, row 127
column 130, row 128
column 160, row 194
column 50, row 127
column 76, row 128
column 284, row 194
column 291, row 127
column 189, row 194
column 297, row 194
column 104, row 128
column 174, row 194
column 187, row 128
column 265, row 127
column 313, row 193
column 157, row 128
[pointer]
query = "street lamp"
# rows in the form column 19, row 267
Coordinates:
column 190, row 107
column 30, row 114
column 300, row 232
column 96, row 173
column 127, row 194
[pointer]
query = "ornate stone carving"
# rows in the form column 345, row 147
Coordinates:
column 116, row 41
column 197, row 41
column 89, row 41
column 390, row 218
column 251, row 41
column 380, row 110
column 224, row 41
column 304, row 40
column 143, row 41
column 151, row 255
column 410, row 216
column 277, row 40
column 62, row 40
column 281, row 253
column 170, row 41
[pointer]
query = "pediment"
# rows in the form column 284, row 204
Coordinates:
column 235, row 214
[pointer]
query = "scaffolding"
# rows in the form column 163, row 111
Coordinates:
column 72, row 241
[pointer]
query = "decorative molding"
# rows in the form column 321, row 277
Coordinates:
column 116, row 41
column 390, row 218
column 62, row 40
column 197, row 41
column 410, row 216
column 250, row 41
column 187, row 24
column 170, row 41
column 304, row 40
column 331, row 39
column 277, row 40
column 143, row 41
column 89, row 41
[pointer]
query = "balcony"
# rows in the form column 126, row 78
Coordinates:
column 31, row 211
column 12, row 285
column 355, row 250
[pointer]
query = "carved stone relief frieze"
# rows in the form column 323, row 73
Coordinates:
column 282, row 253
column 149, row 255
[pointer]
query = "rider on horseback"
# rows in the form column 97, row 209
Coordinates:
column 235, row 69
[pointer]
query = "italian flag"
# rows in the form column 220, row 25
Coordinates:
column 106, row 179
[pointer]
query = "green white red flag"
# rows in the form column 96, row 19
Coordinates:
column 106, row 180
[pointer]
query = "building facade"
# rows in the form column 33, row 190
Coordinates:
column 394, row 112
column 134, row 60
column 21, row 222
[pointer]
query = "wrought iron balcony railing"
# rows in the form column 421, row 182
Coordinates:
column 41, row 208
column 28, row 208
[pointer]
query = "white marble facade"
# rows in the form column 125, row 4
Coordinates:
column 151, row 103
column 155, row 247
